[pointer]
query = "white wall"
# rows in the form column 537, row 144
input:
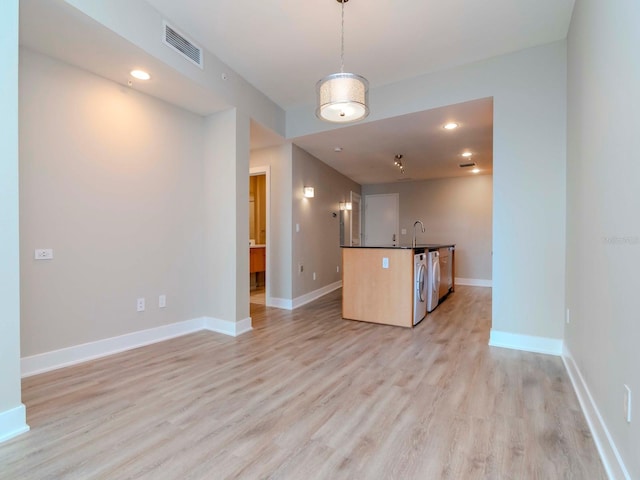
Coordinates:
column 529, row 139
column 12, row 412
column 112, row 181
column 603, row 223
column 454, row 210
column 317, row 245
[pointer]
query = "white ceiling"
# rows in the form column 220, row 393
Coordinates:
column 429, row 151
column 283, row 47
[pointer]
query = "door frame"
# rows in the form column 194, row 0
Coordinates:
column 266, row 170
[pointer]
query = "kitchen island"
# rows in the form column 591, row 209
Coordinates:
column 378, row 283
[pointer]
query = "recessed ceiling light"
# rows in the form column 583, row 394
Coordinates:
column 467, row 154
column 337, row 149
column 475, row 170
column 451, row 126
column 140, row 74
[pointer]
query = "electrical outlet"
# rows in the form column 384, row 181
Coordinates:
column 140, row 305
column 567, row 318
column 403, row 231
column 43, row 254
column 385, row 262
column 314, row 275
column 627, row 403
column 162, row 301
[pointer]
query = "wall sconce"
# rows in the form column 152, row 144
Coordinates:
column 345, row 206
column 308, row 192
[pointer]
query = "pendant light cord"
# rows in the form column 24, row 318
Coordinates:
column 342, row 40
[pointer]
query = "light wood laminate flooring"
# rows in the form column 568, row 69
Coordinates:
column 257, row 295
column 307, row 395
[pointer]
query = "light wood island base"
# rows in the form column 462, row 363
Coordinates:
column 375, row 294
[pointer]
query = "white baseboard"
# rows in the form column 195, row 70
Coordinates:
column 474, row 282
column 228, row 327
column 609, row 454
column 527, row 343
column 276, row 302
column 303, row 299
column 13, row 422
column 45, row 362
column 311, row 296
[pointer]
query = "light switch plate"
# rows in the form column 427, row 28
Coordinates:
column 162, row 301
column 43, row 254
column 385, row 262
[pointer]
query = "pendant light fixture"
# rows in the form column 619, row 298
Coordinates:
column 342, row 97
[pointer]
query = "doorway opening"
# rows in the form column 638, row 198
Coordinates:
column 258, row 235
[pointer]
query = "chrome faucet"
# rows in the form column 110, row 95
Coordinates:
column 414, row 231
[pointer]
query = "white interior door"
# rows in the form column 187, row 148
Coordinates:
column 381, row 220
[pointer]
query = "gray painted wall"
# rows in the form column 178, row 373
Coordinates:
column 112, row 180
column 317, row 245
column 453, row 210
column 279, row 236
column 603, row 201
column 226, row 216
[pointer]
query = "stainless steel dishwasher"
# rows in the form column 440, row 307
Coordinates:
column 446, row 272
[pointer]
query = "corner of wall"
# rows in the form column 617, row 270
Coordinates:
column 526, row 343
column 609, row 454
column 13, row 422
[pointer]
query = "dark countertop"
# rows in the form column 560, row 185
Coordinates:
column 419, row 246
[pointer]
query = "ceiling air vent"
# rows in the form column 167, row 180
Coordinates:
column 467, row 165
column 182, row 45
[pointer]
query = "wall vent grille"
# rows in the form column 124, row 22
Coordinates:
column 185, row 47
